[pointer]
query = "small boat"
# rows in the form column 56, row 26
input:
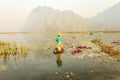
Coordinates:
column 55, row 51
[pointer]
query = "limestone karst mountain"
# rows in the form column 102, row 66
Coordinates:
column 47, row 19
column 110, row 18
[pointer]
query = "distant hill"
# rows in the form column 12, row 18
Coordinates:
column 48, row 19
column 110, row 18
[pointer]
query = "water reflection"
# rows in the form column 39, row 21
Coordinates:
column 12, row 50
column 59, row 56
column 59, row 60
column 6, row 57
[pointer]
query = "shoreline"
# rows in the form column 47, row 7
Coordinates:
column 91, row 31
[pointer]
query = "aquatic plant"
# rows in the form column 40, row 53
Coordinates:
column 3, row 68
column 12, row 48
column 106, row 47
column 97, row 41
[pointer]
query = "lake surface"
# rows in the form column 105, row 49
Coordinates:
column 41, row 64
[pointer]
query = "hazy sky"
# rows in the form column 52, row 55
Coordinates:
column 13, row 13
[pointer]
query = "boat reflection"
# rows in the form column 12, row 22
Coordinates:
column 59, row 60
column 59, row 56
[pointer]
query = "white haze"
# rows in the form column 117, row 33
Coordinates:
column 14, row 13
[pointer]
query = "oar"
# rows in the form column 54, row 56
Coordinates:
column 53, row 44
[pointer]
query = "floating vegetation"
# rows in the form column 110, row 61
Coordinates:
column 117, row 47
column 61, row 76
column 91, row 33
column 116, row 42
column 106, row 47
column 97, row 41
column 3, row 68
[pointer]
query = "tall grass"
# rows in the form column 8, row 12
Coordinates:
column 12, row 48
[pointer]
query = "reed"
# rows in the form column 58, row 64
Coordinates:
column 12, row 48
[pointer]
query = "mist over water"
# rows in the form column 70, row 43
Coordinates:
column 90, row 46
column 41, row 63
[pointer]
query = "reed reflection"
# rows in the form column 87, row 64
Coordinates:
column 12, row 49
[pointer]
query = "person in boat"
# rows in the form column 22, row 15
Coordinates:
column 59, row 42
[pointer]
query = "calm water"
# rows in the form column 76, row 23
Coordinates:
column 41, row 64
